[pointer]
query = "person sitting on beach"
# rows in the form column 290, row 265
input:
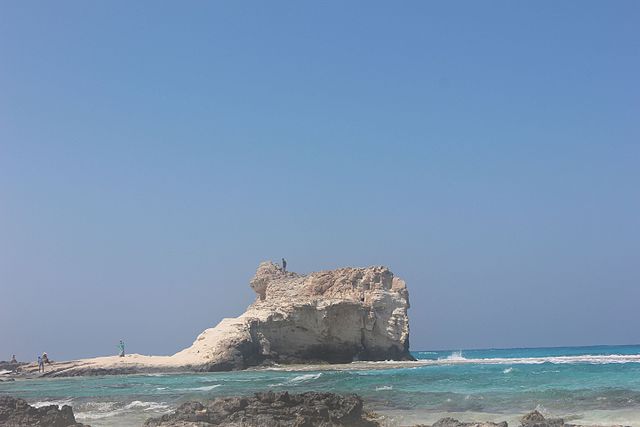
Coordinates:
column 13, row 359
column 40, row 364
column 284, row 265
column 45, row 359
column 121, row 348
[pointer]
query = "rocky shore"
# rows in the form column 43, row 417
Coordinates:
column 279, row 409
column 18, row 413
column 10, row 366
column 335, row 316
column 271, row 409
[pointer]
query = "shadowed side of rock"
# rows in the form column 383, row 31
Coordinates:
column 279, row 409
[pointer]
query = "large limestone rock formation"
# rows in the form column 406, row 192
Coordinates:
column 333, row 316
column 330, row 316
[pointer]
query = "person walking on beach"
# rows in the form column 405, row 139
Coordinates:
column 40, row 364
column 284, row 265
column 13, row 359
column 121, row 348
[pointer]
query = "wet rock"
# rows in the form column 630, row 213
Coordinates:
column 17, row 413
column 536, row 419
column 272, row 409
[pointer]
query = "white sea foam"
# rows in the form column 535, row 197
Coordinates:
column 458, row 358
column 305, row 377
column 96, row 415
column 455, row 356
column 4, row 372
column 203, row 388
column 58, row 403
column 101, row 410
column 588, row 358
column 384, row 387
column 147, row 406
column 298, row 379
column 508, row 370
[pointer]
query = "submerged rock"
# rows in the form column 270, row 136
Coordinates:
column 536, row 419
column 279, row 409
column 17, row 412
column 532, row 419
column 451, row 422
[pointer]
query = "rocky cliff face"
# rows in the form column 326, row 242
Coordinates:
column 331, row 316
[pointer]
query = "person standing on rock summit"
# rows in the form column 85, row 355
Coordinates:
column 284, row 265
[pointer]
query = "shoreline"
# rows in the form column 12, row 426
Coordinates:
column 137, row 364
column 390, row 417
column 583, row 389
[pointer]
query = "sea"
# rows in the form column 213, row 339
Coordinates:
column 597, row 385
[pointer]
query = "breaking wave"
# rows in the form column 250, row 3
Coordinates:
column 203, row 388
column 455, row 356
column 100, row 410
column 58, row 403
column 458, row 358
column 305, row 377
column 299, row 379
column 147, row 406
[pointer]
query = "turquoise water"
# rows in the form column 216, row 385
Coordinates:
column 595, row 384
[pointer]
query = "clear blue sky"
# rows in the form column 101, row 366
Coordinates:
column 152, row 154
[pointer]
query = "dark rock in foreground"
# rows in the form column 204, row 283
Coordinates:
column 279, row 409
column 17, row 412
